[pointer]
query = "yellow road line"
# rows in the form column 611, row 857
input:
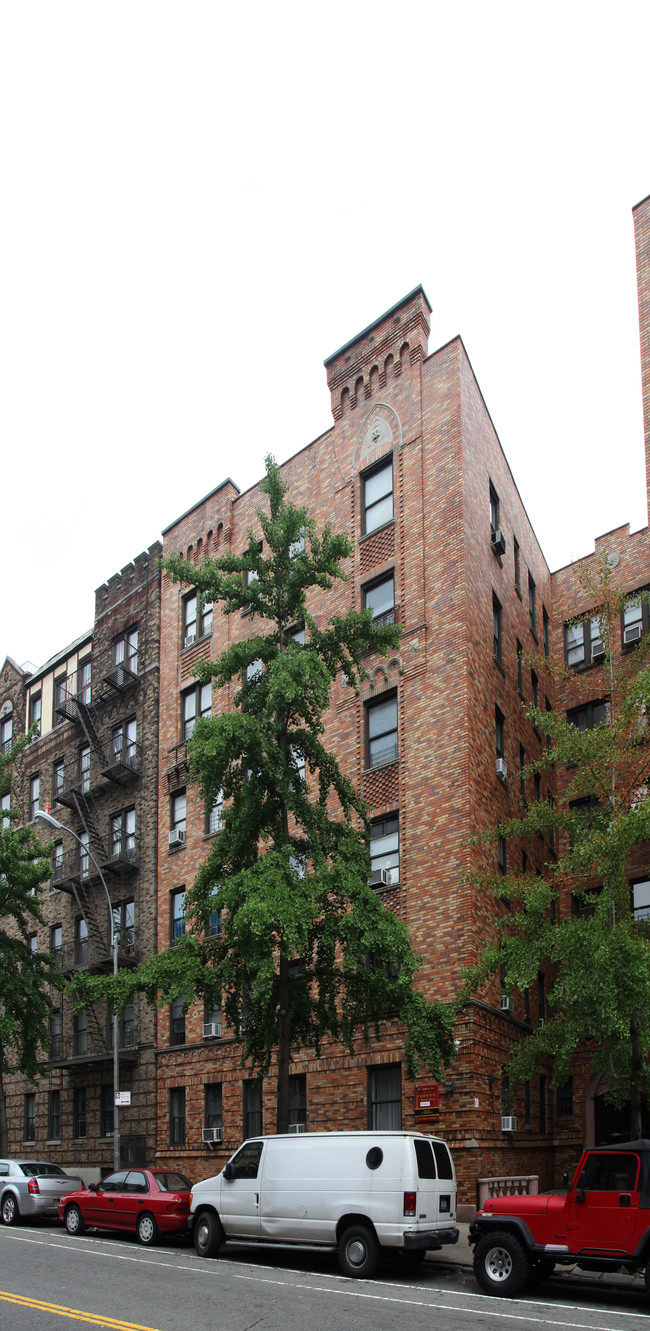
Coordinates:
column 95, row 1319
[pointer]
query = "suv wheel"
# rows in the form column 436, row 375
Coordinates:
column 501, row 1264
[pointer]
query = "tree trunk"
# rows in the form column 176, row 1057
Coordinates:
column 284, row 1047
column 636, row 1096
column 4, row 1142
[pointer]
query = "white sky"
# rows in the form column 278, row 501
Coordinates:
column 202, row 201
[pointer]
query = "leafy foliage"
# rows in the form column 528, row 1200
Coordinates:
column 575, row 920
column 306, row 948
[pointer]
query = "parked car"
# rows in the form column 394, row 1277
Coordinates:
column 602, row 1223
column 359, row 1193
column 30, row 1188
column 147, row 1202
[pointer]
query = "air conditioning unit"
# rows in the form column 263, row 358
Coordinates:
column 508, row 1123
column 212, row 1135
column 632, row 633
column 498, row 541
column 297, row 1127
column 189, row 639
column 507, row 1003
column 212, row 1030
column 176, row 838
column 597, row 651
column 379, row 878
column 502, row 769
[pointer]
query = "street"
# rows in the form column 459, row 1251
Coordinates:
column 48, row 1279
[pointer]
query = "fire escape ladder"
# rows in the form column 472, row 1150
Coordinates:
column 100, row 1032
column 86, row 809
column 89, row 721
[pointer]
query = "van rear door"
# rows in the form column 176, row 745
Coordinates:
column 239, row 1205
column 436, row 1186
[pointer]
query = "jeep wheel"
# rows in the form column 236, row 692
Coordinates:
column 501, row 1264
column 208, row 1234
column 358, row 1252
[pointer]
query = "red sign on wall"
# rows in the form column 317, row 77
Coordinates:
column 427, row 1100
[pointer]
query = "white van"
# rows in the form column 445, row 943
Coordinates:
column 358, row 1192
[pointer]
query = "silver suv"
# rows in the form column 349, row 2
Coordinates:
column 30, row 1188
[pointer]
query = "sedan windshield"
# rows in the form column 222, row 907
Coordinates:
column 39, row 1169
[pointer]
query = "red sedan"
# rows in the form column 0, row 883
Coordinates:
column 149, row 1202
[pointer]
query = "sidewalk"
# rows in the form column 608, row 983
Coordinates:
column 460, row 1254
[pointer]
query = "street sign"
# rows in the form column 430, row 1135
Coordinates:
column 122, row 1097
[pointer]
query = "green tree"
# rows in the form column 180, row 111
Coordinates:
column 306, row 948
column 576, row 920
column 25, row 976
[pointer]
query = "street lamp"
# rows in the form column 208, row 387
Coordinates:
column 48, row 821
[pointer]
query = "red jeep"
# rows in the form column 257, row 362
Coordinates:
column 601, row 1224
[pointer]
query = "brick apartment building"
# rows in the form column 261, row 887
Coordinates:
column 94, row 765
column 413, row 471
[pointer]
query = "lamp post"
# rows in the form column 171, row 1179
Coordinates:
column 48, row 821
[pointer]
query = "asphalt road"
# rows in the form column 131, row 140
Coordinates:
column 50, row 1281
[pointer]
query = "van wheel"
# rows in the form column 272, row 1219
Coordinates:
column 358, row 1252
column 208, row 1234
column 501, row 1264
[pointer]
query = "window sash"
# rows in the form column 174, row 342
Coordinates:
column 378, row 498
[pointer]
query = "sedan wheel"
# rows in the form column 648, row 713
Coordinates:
column 146, row 1230
column 74, row 1221
column 10, row 1211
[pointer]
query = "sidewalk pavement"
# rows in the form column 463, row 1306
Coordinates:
column 460, row 1254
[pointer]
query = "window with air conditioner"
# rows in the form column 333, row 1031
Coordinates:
column 384, row 851
column 635, row 621
column 583, row 642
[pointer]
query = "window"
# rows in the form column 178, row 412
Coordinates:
column 79, row 1119
column 125, row 650
column 549, row 738
column 127, row 1028
column 58, row 778
column 499, row 727
column 297, row 546
column 123, row 743
column 81, row 942
column 385, row 1098
column 564, row 1099
column 251, row 575
column 123, row 842
column 527, row 1109
column 6, row 733
column 56, row 1036
column 215, row 920
column 35, row 712
column 255, row 669
column 380, row 598
column 214, row 816
column 534, row 690
column 84, row 694
column 384, row 851
column 80, row 1033
column 546, row 632
column 583, row 645
column 252, row 1109
column 54, row 1115
column 522, row 777
column 197, row 618
column 213, row 1112
column 494, row 510
column 537, row 786
column 29, row 1120
column 177, row 1021
column 178, row 814
column 532, row 613
column 124, row 927
column 520, row 669
column 60, row 695
column 177, row 914
column 196, row 704
column 542, row 1104
column 84, row 855
column 541, row 997
column 298, row 635
column 635, row 621
column 502, row 857
column 84, row 769
column 298, row 1101
column 56, row 940
column 177, row 1116
column 527, row 1016
column 33, row 943
column 377, row 496
column 107, row 1111
column 381, row 731
column 641, row 899
column 5, row 805
column 496, row 628
column 34, row 795
column 517, row 565
column 590, row 715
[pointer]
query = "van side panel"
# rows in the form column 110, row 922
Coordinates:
column 308, row 1186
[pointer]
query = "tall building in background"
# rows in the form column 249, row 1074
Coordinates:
column 93, row 765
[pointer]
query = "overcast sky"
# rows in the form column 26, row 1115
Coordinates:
column 202, row 201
